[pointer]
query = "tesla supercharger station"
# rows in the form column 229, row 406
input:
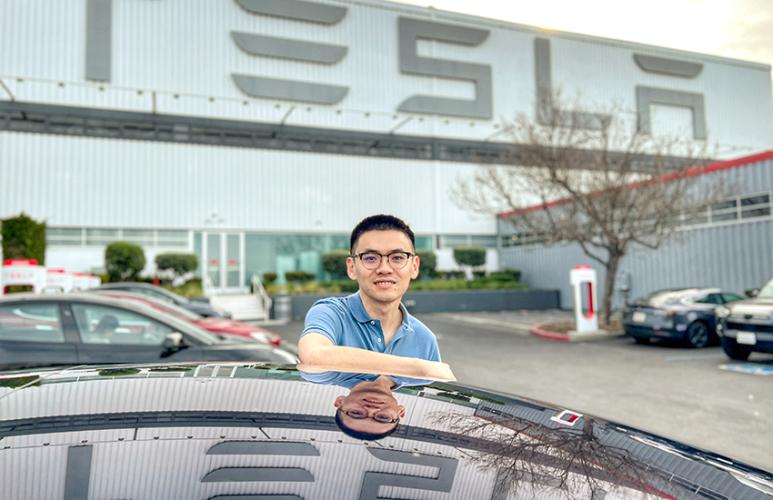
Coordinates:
column 23, row 272
column 59, row 280
column 583, row 280
column 84, row 281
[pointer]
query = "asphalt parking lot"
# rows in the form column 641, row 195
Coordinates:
column 699, row 397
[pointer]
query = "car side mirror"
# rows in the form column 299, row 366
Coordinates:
column 752, row 293
column 173, row 341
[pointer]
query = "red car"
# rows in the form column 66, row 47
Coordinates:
column 219, row 326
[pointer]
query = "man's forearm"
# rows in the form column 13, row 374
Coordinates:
column 352, row 359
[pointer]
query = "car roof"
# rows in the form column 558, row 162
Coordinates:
column 477, row 440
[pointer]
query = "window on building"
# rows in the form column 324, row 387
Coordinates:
column 143, row 237
column 69, row 236
column 755, row 206
column 101, row 236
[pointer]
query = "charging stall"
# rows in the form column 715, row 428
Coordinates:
column 23, row 273
column 583, row 281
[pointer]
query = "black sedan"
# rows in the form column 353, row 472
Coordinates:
column 233, row 431
column 686, row 314
column 164, row 295
column 45, row 330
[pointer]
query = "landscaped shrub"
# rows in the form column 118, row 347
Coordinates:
column 470, row 256
column 334, row 262
column 177, row 263
column 269, row 278
column 298, row 276
column 124, row 261
column 24, row 238
column 427, row 263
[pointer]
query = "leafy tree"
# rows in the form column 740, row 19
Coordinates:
column 24, row 238
column 124, row 261
column 334, row 262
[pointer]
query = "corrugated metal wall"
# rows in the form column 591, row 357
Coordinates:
column 182, row 51
column 101, row 182
column 735, row 256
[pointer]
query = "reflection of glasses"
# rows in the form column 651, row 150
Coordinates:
column 360, row 414
column 371, row 260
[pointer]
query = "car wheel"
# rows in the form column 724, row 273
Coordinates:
column 641, row 340
column 735, row 351
column 697, row 334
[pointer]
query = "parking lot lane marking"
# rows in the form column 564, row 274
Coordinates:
column 696, row 357
column 751, row 368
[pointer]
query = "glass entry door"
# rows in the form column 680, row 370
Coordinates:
column 223, row 262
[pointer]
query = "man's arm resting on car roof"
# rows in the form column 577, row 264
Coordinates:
column 319, row 354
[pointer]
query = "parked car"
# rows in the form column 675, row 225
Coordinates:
column 45, row 330
column 164, row 295
column 218, row 326
column 747, row 326
column 234, row 431
column 686, row 314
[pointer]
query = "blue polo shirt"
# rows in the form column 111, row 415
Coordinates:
column 345, row 322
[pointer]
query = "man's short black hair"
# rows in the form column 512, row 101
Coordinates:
column 381, row 222
column 365, row 436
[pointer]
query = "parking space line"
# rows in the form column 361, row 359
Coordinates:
column 695, row 357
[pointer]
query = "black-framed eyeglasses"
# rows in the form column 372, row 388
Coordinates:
column 360, row 414
column 397, row 259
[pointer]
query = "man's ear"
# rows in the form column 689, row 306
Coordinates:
column 402, row 411
column 350, row 268
column 339, row 401
column 415, row 268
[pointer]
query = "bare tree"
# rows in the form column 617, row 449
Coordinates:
column 529, row 456
column 593, row 180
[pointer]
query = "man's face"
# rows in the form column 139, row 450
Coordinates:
column 387, row 282
column 368, row 408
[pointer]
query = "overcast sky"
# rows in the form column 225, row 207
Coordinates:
column 741, row 29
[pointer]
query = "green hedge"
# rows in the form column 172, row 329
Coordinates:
column 178, row 263
column 350, row 286
column 298, row 276
column 124, row 261
column 24, row 238
column 269, row 278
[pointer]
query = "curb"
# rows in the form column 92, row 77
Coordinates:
column 547, row 334
column 572, row 336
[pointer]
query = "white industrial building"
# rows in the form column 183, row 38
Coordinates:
column 256, row 133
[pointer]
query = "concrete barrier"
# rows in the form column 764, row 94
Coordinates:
column 473, row 301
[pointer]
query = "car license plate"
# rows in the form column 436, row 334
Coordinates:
column 746, row 338
column 639, row 317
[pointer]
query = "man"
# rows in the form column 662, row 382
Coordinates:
column 371, row 331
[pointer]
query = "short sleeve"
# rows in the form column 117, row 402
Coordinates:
column 323, row 318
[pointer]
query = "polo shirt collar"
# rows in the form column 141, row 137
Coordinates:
column 361, row 315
